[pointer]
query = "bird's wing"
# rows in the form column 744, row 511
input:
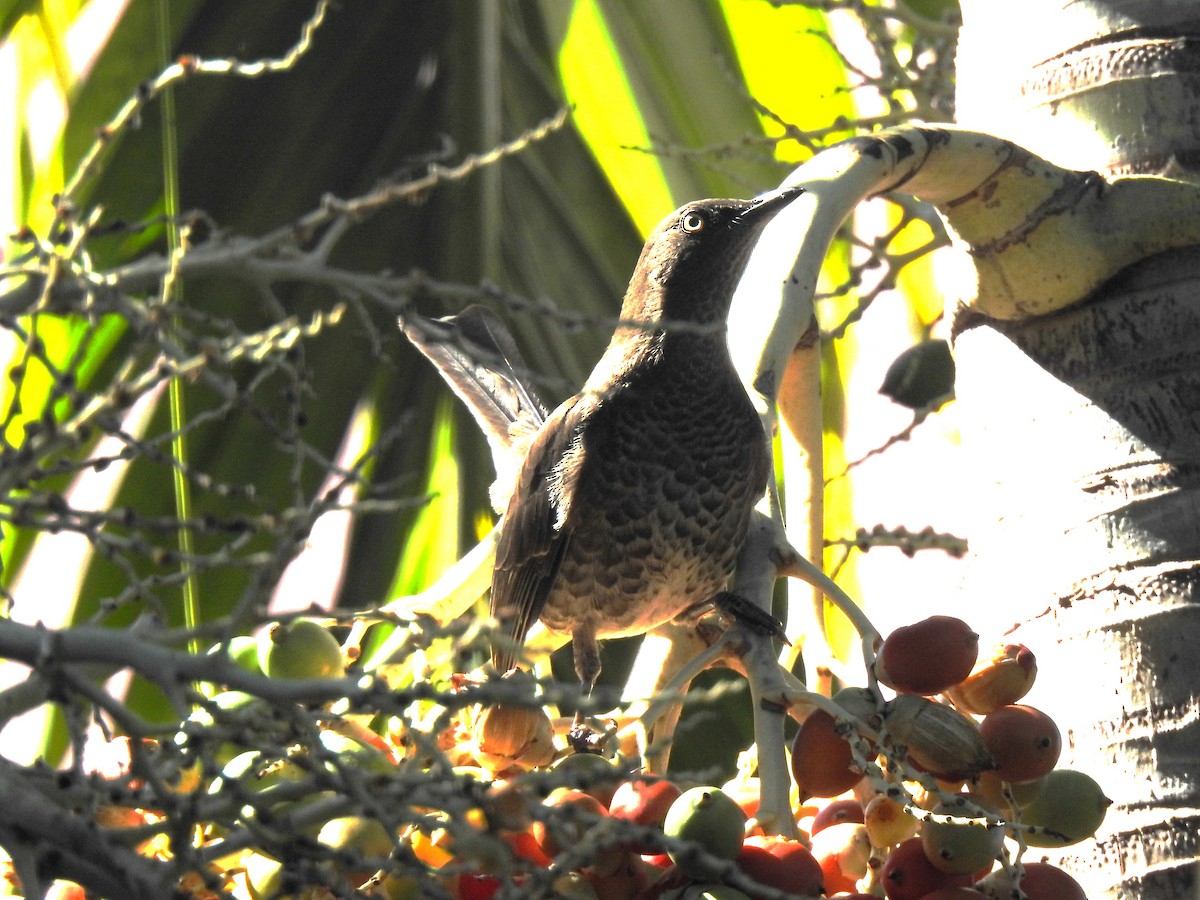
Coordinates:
column 537, row 525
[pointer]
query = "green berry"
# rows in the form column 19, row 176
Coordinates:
column 302, row 648
column 960, row 849
column 1070, row 808
column 242, row 651
column 709, row 818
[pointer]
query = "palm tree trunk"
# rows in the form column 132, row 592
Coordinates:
column 1083, row 430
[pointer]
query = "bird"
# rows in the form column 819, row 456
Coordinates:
column 633, row 497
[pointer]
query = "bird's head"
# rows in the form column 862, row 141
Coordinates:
column 693, row 259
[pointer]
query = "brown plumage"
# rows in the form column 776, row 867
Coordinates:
column 634, row 496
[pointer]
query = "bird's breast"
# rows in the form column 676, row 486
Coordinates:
column 660, row 508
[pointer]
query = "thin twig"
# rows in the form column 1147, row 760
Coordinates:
column 182, row 68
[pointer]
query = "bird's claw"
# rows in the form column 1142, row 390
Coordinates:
column 749, row 614
column 583, row 738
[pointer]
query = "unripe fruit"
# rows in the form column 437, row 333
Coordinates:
column 928, row 656
column 860, row 703
column 242, row 651
column 359, row 833
column 709, row 892
column 234, row 708
column 887, row 822
column 644, row 802
column 264, row 875
column 960, row 849
column 940, row 740
column 1004, row 678
column 1024, row 741
column 302, row 648
column 236, row 700
column 589, row 772
column 362, row 839
column 266, row 784
column 708, row 817
column 256, row 774
column 1070, row 808
column 393, row 886
column 821, row 758
column 350, row 751
column 909, row 875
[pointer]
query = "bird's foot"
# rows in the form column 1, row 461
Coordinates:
column 583, row 738
column 746, row 613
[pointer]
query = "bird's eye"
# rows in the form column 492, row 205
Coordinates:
column 693, row 222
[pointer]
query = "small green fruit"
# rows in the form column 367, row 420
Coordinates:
column 242, row 651
column 1071, row 806
column 960, row 849
column 236, row 708
column 302, row 648
column 353, row 752
column 362, row 843
column 265, row 877
column 712, row 892
column 255, row 774
column 591, row 773
column 357, row 833
column 262, row 780
column 709, row 818
column 400, row 887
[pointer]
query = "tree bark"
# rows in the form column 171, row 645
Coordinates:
column 1082, row 430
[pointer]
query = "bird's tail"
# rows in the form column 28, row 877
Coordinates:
column 476, row 355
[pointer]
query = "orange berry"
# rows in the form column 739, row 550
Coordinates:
column 1024, row 741
column 821, row 758
column 928, row 656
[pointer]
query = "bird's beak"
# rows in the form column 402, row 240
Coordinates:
column 766, row 205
